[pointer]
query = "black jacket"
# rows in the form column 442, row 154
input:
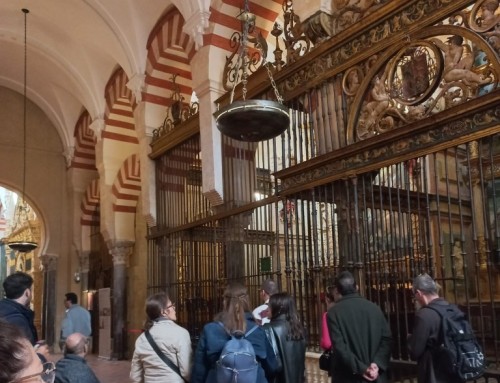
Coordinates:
column 425, row 337
column 19, row 315
column 292, row 352
column 360, row 336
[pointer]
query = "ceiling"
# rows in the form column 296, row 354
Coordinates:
column 73, row 46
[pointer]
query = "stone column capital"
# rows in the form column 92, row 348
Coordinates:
column 120, row 251
column 196, row 26
column 136, row 84
column 97, row 126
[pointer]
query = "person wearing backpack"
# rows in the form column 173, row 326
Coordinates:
column 287, row 336
column 436, row 355
column 219, row 341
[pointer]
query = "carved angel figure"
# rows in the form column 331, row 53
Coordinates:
column 458, row 62
column 373, row 116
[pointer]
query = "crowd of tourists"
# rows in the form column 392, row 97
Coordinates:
column 265, row 345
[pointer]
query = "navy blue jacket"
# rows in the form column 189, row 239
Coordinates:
column 19, row 315
column 74, row 368
column 212, row 340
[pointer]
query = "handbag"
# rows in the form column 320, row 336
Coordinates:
column 271, row 336
column 325, row 360
column 162, row 356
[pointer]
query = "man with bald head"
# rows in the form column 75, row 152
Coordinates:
column 73, row 367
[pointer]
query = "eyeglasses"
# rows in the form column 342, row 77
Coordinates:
column 47, row 375
column 170, row 306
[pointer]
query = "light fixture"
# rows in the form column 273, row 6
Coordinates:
column 21, row 217
column 251, row 120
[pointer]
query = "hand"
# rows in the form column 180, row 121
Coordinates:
column 371, row 372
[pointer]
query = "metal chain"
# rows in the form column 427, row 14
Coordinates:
column 246, row 16
column 273, row 83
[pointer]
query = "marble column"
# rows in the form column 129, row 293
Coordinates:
column 120, row 252
column 49, row 263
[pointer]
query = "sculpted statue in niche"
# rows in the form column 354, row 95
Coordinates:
column 458, row 62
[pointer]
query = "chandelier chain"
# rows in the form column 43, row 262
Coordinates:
column 25, row 11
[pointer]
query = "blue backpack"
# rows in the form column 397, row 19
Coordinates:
column 237, row 363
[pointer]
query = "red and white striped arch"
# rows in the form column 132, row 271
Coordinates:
column 170, row 51
column 127, row 186
column 90, row 205
column 84, row 155
column 224, row 22
column 120, row 103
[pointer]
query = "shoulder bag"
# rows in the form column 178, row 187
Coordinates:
column 271, row 336
column 325, row 360
column 163, row 357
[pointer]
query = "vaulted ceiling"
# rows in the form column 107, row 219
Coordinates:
column 73, row 47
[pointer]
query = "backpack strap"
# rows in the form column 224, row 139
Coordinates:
column 448, row 311
column 162, row 356
column 251, row 331
column 246, row 334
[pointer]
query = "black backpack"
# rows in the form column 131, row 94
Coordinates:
column 459, row 354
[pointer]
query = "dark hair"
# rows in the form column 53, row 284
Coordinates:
column 16, row 284
column 72, row 297
column 155, row 304
column 235, row 304
column 270, row 287
column 284, row 304
column 14, row 352
column 345, row 283
column 329, row 293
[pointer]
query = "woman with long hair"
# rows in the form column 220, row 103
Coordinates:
column 170, row 340
column 289, row 338
column 235, row 318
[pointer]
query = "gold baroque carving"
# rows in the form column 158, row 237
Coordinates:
column 484, row 16
column 401, row 146
column 400, row 21
column 447, row 76
column 347, row 12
